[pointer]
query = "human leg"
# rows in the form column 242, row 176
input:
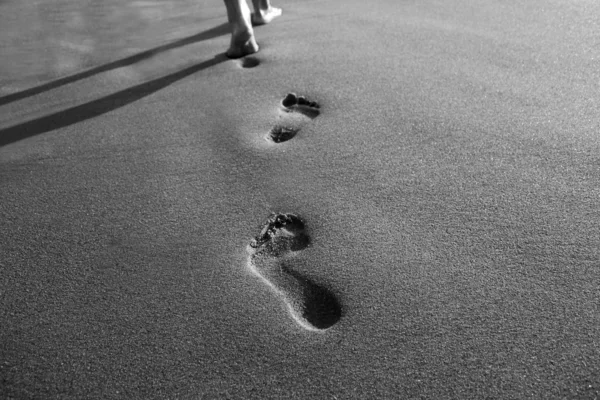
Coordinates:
column 242, row 34
column 264, row 12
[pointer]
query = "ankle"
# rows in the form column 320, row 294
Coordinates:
column 242, row 31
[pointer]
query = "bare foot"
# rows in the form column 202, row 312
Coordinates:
column 261, row 17
column 242, row 44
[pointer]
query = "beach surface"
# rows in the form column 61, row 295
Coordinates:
column 448, row 188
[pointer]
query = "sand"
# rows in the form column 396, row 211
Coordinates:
column 448, row 186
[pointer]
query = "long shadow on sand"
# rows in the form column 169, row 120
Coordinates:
column 100, row 106
column 208, row 34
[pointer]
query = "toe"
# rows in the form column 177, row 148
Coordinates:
column 290, row 100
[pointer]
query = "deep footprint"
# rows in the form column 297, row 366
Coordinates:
column 249, row 62
column 297, row 111
column 312, row 306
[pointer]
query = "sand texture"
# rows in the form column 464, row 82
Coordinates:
column 391, row 199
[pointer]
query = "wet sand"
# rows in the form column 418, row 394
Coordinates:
column 448, row 187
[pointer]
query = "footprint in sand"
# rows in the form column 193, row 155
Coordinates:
column 248, row 62
column 312, row 306
column 296, row 112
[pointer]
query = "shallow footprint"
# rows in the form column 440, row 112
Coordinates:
column 297, row 111
column 313, row 306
